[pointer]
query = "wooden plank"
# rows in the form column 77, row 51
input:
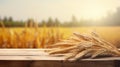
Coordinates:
column 15, row 63
column 46, row 64
column 39, row 54
column 22, row 52
column 52, row 58
column 38, row 58
column 4, row 63
column 117, row 63
column 89, row 64
column 31, row 58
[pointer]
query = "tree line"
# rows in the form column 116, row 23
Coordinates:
column 112, row 19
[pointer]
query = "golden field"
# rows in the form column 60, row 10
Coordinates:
column 111, row 34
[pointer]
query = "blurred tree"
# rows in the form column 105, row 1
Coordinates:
column 74, row 21
column 116, row 17
column 5, row 19
column 10, row 19
column 50, row 22
column 112, row 19
column 43, row 23
column 57, row 22
column 0, row 18
column 30, row 22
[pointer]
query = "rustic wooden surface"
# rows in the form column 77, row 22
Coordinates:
column 38, row 58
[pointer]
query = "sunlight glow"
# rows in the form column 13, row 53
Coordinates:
column 93, row 10
column 62, row 9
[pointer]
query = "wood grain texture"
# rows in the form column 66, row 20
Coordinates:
column 47, row 64
column 39, row 54
column 38, row 58
column 89, row 64
column 44, row 63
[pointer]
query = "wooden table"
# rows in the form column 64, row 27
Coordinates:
column 38, row 58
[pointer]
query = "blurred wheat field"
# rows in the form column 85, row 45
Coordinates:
column 111, row 34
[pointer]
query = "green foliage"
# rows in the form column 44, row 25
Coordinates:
column 50, row 22
column 109, row 20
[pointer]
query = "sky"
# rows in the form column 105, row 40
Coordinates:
column 61, row 9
